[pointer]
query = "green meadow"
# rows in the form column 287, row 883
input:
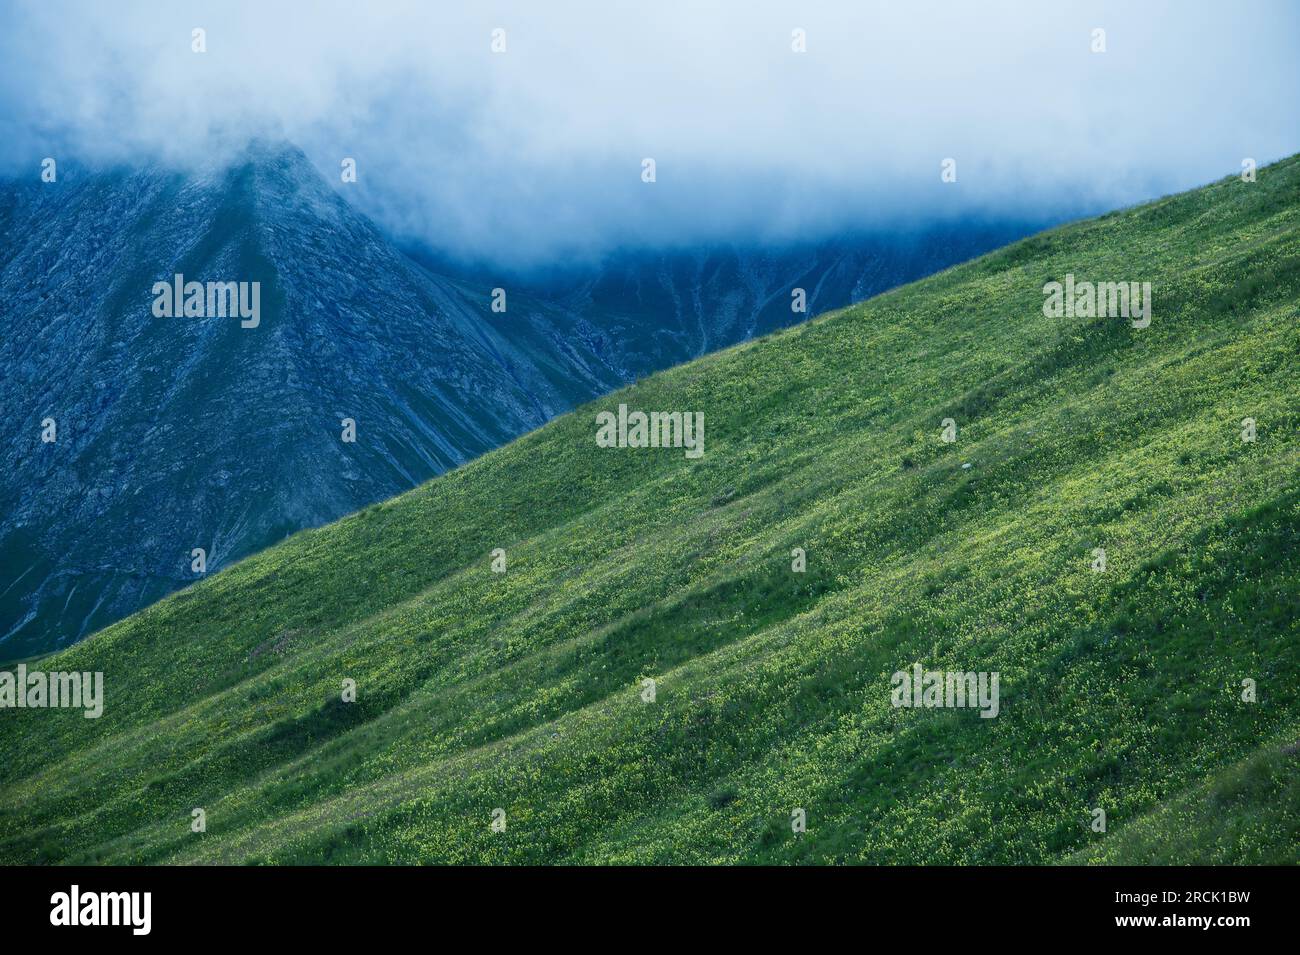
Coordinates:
column 525, row 691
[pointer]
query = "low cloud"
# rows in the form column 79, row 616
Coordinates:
column 534, row 155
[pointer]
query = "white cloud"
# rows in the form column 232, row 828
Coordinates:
column 535, row 154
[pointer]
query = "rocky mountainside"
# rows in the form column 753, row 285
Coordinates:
column 178, row 433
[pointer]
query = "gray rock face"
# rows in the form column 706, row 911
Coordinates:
column 195, row 432
column 181, row 433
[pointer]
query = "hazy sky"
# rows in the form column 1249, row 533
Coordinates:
column 534, row 154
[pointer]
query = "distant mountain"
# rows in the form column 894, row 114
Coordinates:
column 694, row 660
column 179, row 433
column 659, row 309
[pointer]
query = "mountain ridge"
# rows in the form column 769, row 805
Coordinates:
column 174, row 434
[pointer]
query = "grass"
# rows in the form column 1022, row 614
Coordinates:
column 523, row 691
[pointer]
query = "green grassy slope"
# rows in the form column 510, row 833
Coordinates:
column 1119, row 690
